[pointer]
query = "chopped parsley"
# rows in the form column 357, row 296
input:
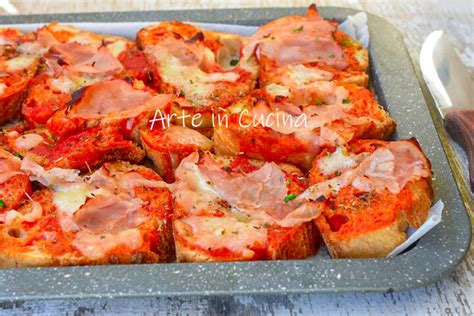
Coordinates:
column 318, row 102
column 290, row 197
column 331, row 55
column 287, row 181
column 345, row 101
column 299, row 29
column 234, row 62
column 2, row 204
column 17, row 154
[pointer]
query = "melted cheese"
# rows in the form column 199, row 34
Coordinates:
column 190, row 81
column 117, row 47
column 28, row 141
column 301, row 75
column 70, row 198
column 19, row 63
column 184, row 73
column 63, row 84
column 96, row 246
column 275, row 90
column 210, row 233
column 337, row 161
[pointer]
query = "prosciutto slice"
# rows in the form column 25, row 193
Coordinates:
column 298, row 40
column 387, row 169
column 85, row 58
column 9, row 166
column 256, row 195
column 116, row 99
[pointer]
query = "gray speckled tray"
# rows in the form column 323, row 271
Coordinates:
column 397, row 88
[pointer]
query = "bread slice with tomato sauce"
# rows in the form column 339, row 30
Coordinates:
column 296, row 127
column 204, row 68
column 370, row 192
column 307, row 49
column 85, row 150
column 231, row 208
column 124, row 104
column 119, row 214
column 72, row 59
column 16, row 70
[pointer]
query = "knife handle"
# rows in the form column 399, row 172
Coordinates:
column 460, row 126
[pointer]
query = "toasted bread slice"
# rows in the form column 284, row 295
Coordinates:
column 366, row 215
column 120, row 214
column 294, row 128
column 315, row 46
column 125, row 104
column 202, row 67
column 167, row 147
column 216, row 216
column 74, row 59
column 86, row 150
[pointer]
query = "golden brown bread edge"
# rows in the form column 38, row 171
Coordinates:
column 380, row 242
column 305, row 242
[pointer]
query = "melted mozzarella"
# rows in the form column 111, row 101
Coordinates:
column 28, row 141
column 302, row 75
column 117, row 47
column 63, row 84
column 70, row 198
column 339, row 161
column 275, row 90
column 211, row 233
column 190, row 80
column 19, row 63
column 96, row 246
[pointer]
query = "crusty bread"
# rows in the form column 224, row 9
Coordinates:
column 196, row 242
column 43, row 242
column 354, row 224
column 378, row 240
column 87, row 149
column 264, row 143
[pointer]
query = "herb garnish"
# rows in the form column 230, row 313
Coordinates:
column 290, row 197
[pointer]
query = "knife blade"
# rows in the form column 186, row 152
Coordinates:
column 452, row 88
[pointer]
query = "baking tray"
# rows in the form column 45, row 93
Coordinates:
column 398, row 90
